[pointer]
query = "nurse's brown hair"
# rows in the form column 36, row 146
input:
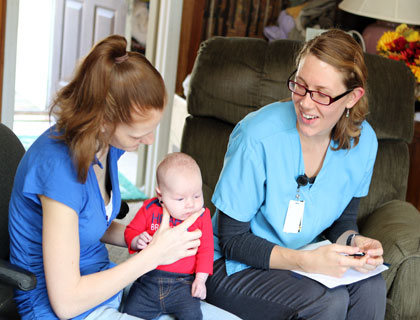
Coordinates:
column 340, row 50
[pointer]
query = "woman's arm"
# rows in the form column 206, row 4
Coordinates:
column 328, row 259
column 70, row 293
column 345, row 225
column 238, row 243
column 115, row 234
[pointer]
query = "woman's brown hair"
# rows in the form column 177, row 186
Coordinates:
column 340, row 50
column 109, row 86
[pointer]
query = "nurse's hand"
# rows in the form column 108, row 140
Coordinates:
column 332, row 260
column 373, row 250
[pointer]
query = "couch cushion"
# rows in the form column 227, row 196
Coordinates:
column 391, row 98
column 234, row 76
column 206, row 149
column 390, row 174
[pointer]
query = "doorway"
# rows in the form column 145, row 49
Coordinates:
column 52, row 36
column 33, row 63
column 163, row 32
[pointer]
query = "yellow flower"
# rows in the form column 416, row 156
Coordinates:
column 401, row 28
column 409, row 34
column 413, row 36
column 416, row 72
column 386, row 39
column 406, row 49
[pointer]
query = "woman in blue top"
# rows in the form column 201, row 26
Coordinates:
column 66, row 194
column 293, row 172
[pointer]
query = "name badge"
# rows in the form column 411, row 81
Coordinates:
column 294, row 216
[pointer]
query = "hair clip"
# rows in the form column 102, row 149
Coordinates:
column 121, row 59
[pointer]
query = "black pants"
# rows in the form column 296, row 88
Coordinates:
column 280, row 294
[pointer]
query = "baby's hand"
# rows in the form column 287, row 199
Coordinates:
column 141, row 241
column 198, row 289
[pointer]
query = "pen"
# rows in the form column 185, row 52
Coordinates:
column 357, row 254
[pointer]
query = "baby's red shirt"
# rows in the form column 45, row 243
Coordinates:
column 149, row 217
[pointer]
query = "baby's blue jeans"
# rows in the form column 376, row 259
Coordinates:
column 160, row 292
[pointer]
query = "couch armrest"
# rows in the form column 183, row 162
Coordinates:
column 16, row 277
column 397, row 225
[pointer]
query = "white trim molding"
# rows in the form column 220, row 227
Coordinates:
column 162, row 46
column 9, row 71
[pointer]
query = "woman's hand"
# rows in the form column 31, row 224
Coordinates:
column 373, row 253
column 332, row 260
column 172, row 244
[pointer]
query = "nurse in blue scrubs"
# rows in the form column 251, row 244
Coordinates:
column 294, row 173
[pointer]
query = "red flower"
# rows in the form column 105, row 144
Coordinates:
column 400, row 44
column 394, row 57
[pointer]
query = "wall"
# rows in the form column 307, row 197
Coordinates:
column 203, row 19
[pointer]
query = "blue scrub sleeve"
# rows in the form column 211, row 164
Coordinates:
column 240, row 190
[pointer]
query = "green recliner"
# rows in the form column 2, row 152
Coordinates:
column 234, row 76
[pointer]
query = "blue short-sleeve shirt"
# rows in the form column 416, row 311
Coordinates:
column 261, row 165
column 47, row 169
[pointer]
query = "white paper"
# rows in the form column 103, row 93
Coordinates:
column 350, row 276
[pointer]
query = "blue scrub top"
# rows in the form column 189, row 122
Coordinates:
column 47, row 169
column 261, row 165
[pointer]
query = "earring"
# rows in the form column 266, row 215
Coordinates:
column 347, row 113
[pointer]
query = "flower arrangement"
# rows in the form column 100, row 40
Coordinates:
column 402, row 44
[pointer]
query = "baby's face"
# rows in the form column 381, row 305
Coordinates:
column 182, row 194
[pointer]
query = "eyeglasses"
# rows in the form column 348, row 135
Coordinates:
column 315, row 95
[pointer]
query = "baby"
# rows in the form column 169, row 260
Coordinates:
column 172, row 289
